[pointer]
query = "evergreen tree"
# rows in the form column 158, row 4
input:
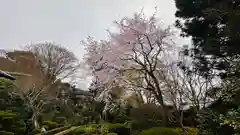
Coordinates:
column 215, row 31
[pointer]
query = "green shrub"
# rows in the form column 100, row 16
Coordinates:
column 86, row 129
column 60, row 120
column 143, row 124
column 104, row 130
column 6, row 133
column 95, row 125
column 19, row 130
column 50, row 124
column 69, row 131
column 11, row 122
column 159, row 131
column 56, row 130
column 7, row 122
column 120, row 129
column 80, row 130
column 146, row 112
column 189, row 131
column 36, row 131
column 112, row 134
column 168, row 131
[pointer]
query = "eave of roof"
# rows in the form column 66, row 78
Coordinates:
column 6, row 75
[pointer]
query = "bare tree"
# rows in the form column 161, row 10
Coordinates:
column 56, row 62
column 183, row 87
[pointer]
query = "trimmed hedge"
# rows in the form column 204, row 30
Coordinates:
column 112, row 134
column 168, row 131
column 67, row 132
column 56, row 130
column 119, row 129
column 158, row 131
column 189, row 131
column 143, row 124
column 91, row 129
column 85, row 129
column 6, row 133
column 11, row 123
column 50, row 124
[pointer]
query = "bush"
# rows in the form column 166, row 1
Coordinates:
column 36, row 131
column 158, row 131
column 120, row 129
column 143, row 124
column 6, row 133
column 50, row 124
column 146, row 112
column 86, row 129
column 168, row 131
column 189, row 131
column 19, row 130
column 60, row 120
column 112, row 134
column 11, row 122
column 68, row 131
column 7, row 123
column 54, row 131
column 78, row 131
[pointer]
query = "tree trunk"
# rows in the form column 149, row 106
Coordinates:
column 35, row 122
column 181, row 122
column 164, row 112
column 159, row 98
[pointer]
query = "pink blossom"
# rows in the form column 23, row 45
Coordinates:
column 137, row 33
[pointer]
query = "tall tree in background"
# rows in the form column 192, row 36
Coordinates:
column 49, row 64
column 55, row 61
column 214, row 28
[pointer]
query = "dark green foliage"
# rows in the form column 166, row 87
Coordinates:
column 215, row 31
column 145, row 116
column 221, row 106
column 158, row 131
column 122, row 115
column 168, row 131
column 6, row 133
column 85, row 130
column 50, row 124
column 12, row 122
column 146, row 112
column 112, row 134
column 211, row 123
column 78, row 131
column 214, row 28
column 35, row 131
column 60, row 120
column 143, row 124
column 76, row 111
column 120, row 129
column 13, row 112
column 56, row 130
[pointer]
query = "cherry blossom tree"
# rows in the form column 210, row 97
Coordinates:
column 139, row 45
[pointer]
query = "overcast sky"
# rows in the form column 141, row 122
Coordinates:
column 67, row 22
